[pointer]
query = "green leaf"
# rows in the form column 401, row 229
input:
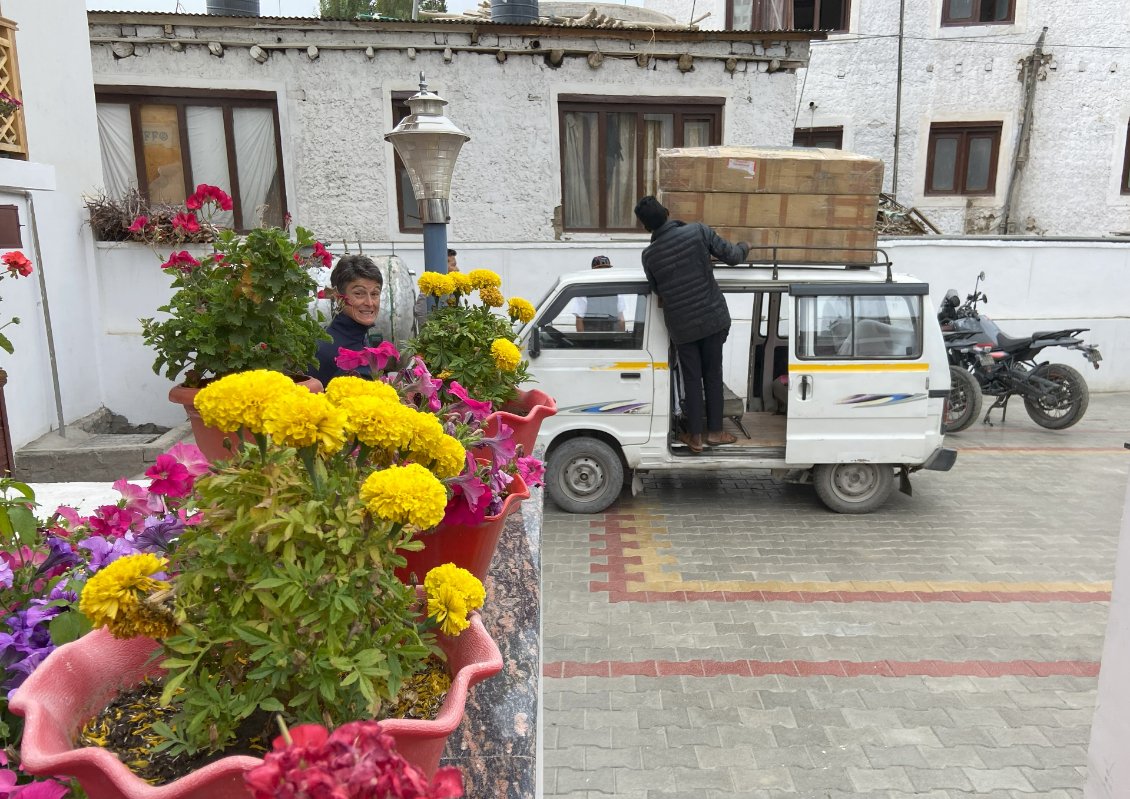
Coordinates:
column 272, row 705
column 6, row 345
column 23, row 520
column 68, row 626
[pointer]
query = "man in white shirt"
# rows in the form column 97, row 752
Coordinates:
column 601, row 313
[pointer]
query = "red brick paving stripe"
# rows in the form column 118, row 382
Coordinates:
column 825, row 668
column 617, row 587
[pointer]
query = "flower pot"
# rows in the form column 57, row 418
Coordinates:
column 523, row 415
column 469, row 546
column 210, row 440
column 78, row 679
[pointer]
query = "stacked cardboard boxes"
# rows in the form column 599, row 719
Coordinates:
column 812, row 205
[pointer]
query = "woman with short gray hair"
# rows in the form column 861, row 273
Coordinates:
column 357, row 282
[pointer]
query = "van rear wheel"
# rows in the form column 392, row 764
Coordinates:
column 584, row 475
column 853, row 487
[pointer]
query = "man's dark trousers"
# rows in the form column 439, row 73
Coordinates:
column 701, row 364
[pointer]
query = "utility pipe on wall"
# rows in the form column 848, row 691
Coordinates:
column 1032, row 66
column 46, row 312
column 898, row 103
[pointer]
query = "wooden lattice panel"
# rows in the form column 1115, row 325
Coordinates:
column 13, row 137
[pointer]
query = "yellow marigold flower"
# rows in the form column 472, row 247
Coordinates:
column 461, row 282
column 452, row 594
column 506, row 355
column 379, row 422
column 405, row 495
column 345, row 386
column 484, row 278
column 447, row 607
column 447, row 457
column 434, row 284
column 304, row 419
column 114, row 596
column 520, row 310
column 491, row 297
column 238, row 400
column 426, row 431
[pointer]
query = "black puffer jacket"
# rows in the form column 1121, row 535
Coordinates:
column 677, row 265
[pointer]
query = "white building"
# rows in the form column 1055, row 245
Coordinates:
column 960, row 99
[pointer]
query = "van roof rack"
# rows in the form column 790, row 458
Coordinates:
column 878, row 257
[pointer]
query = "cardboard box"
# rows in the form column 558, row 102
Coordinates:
column 763, row 170
column 805, row 245
column 731, row 209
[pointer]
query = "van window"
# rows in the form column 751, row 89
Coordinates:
column 859, row 326
column 599, row 318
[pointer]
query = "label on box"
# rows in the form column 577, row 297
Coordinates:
column 747, row 166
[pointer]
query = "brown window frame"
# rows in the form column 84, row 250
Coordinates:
column 800, row 134
column 974, row 19
column 137, row 96
column 845, row 16
column 1126, row 163
column 684, row 109
column 966, row 131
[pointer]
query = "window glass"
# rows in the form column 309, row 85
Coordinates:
column 945, row 164
column 208, row 149
column 620, row 170
column 115, row 133
column 582, row 171
column 596, row 319
column 977, row 171
column 260, row 189
column 164, row 169
column 960, row 9
column 995, row 10
column 658, row 131
column 859, row 327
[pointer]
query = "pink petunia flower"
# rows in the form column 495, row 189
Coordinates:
column 170, row 478
column 479, row 409
column 531, row 470
column 139, row 499
column 351, row 360
column 190, row 456
column 110, row 521
column 182, row 260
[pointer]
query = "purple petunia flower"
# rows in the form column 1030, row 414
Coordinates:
column 502, row 445
column 60, row 557
column 160, row 533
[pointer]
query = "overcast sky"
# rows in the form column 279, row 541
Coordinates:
column 270, row 8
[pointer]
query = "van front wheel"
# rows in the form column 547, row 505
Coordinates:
column 584, row 475
column 853, row 487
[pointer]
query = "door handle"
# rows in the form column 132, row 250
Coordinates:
column 805, row 387
column 630, row 375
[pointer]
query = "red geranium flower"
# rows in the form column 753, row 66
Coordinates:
column 17, row 263
column 182, row 260
column 320, row 251
column 139, row 224
column 186, row 222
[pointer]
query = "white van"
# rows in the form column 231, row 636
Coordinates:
column 833, row 375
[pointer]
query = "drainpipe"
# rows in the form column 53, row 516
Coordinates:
column 1032, row 66
column 46, row 313
column 898, row 103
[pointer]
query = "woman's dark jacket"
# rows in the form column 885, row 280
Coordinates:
column 346, row 333
column 678, row 269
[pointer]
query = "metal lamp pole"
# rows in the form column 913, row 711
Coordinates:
column 428, row 143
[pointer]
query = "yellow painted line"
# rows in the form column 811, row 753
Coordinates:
column 859, row 367
column 630, row 365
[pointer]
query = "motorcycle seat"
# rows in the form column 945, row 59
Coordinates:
column 1008, row 343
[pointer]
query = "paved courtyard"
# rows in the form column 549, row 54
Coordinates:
column 726, row 636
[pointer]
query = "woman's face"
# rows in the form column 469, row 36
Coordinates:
column 361, row 301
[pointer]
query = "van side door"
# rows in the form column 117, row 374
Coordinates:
column 858, row 374
column 588, row 349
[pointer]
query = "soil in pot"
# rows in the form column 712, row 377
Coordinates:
column 125, row 726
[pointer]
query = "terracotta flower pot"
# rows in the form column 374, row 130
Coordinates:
column 523, row 415
column 469, row 546
column 78, row 679
column 210, row 440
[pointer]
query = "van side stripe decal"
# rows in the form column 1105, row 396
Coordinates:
column 859, row 367
column 630, row 365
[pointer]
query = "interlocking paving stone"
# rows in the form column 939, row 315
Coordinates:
column 980, row 612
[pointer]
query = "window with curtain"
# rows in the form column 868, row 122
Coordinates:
column 778, row 15
column 408, row 211
column 978, row 12
column 166, row 142
column 961, row 158
column 832, row 138
column 608, row 148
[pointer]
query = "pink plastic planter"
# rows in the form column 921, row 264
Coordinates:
column 78, row 679
column 524, row 416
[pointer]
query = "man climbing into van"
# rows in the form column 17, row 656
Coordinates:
column 678, row 268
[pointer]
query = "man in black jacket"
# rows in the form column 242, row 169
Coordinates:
column 678, row 268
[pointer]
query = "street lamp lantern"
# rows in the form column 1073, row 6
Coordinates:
column 428, row 143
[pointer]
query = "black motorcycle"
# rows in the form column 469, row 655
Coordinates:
column 984, row 360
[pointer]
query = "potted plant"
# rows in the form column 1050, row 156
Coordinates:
column 8, row 105
column 243, row 306
column 472, row 344
column 279, row 595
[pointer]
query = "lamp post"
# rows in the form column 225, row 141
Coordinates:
column 428, row 144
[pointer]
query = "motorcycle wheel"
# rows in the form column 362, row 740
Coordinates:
column 964, row 402
column 1070, row 408
column 853, row 487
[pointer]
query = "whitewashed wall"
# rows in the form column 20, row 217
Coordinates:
column 1070, row 185
column 64, row 162
column 336, row 109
